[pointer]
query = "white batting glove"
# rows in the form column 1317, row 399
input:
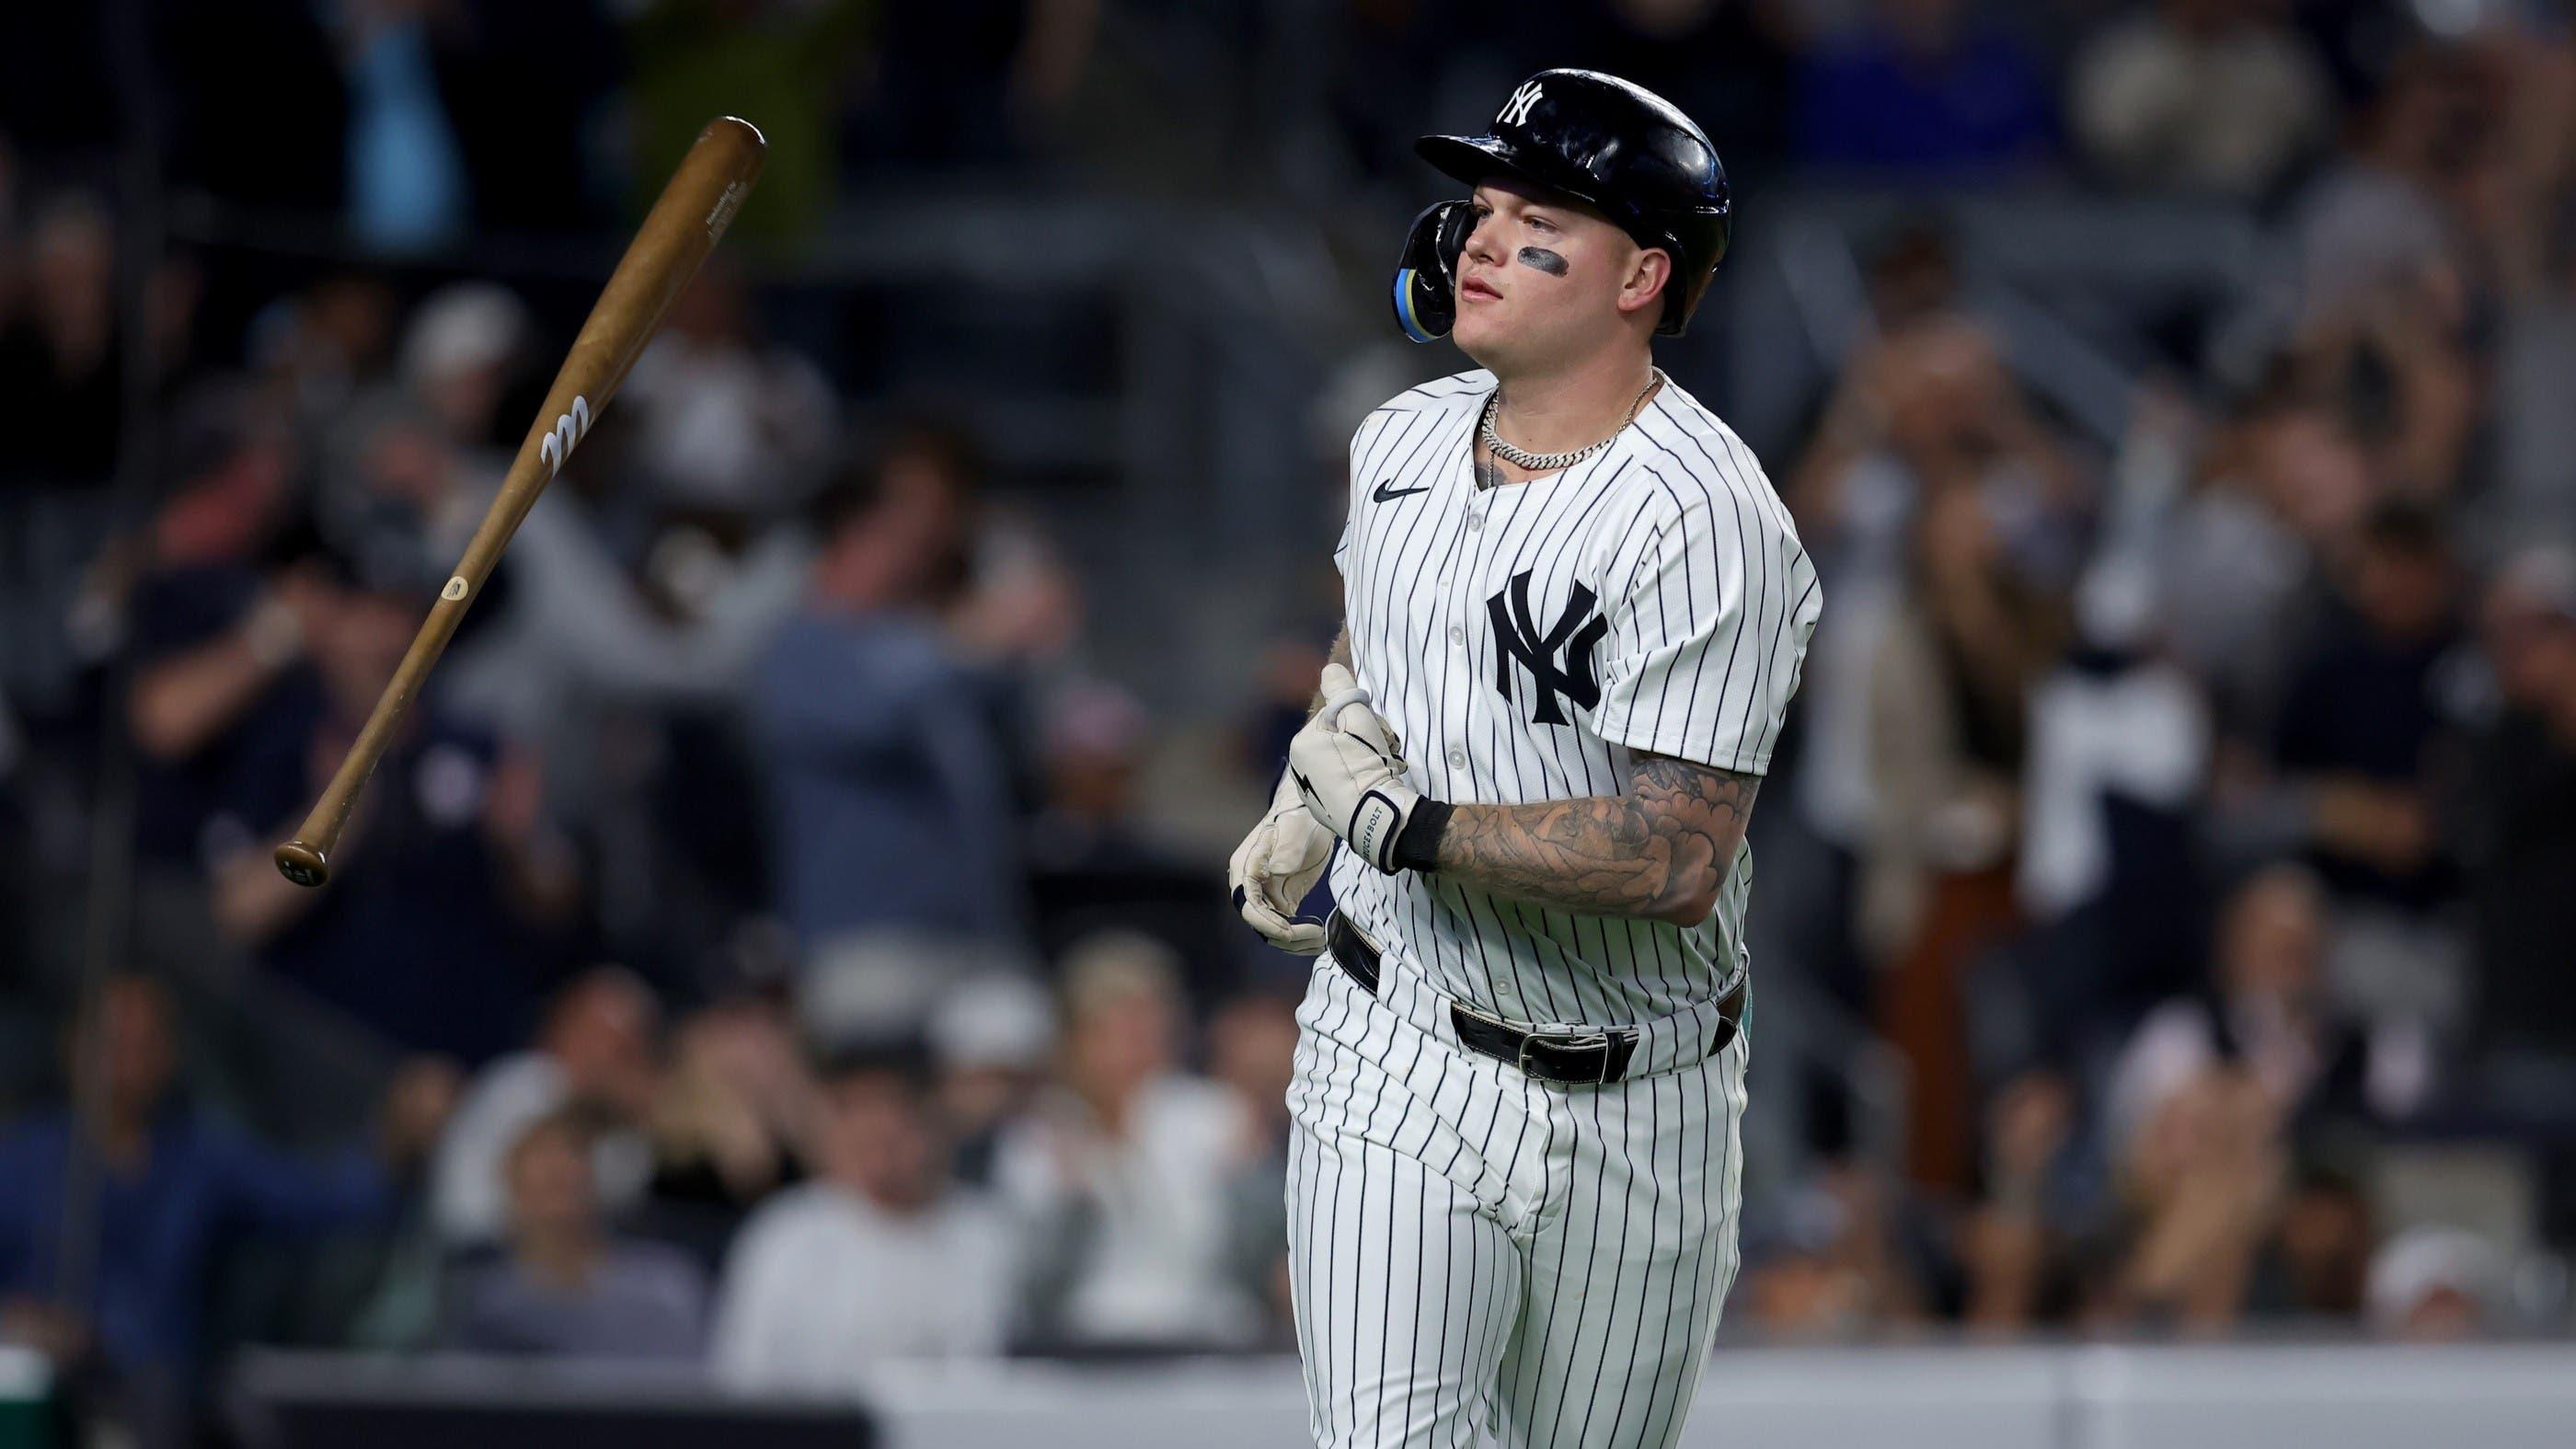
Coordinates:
column 1275, row 866
column 1345, row 765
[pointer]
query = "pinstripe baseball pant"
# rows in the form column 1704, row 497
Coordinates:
column 1475, row 1253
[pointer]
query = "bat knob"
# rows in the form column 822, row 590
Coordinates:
column 302, row 864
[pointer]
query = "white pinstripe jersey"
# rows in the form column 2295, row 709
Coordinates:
column 1523, row 640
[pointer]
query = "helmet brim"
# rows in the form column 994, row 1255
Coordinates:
column 1475, row 160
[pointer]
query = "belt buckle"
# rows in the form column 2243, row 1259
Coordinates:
column 1570, row 1041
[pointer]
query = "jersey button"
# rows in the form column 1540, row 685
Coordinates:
column 1475, row 520
column 1458, row 635
column 1457, row 759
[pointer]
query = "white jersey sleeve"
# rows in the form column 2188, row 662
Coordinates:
column 1710, row 601
column 1369, row 430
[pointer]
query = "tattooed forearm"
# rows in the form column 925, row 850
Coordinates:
column 1660, row 851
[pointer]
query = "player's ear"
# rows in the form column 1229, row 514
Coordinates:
column 1648, row 274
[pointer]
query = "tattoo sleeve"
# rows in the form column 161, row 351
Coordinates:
column 1660, row 851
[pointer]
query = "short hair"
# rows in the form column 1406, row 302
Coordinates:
column 903, row 1061
column 1112, row 965
column 856, row 482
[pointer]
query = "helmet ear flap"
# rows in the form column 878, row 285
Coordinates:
column 1426, row 275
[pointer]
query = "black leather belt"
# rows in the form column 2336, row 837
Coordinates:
column 1573, row 1058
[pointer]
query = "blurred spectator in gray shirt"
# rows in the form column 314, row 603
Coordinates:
column 882, row 1257
column 1125, row 1171
column 566, row 1286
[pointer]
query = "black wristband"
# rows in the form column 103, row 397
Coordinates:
column 1417, row 846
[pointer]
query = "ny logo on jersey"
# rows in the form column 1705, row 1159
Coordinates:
column 1517, row 637
column 1516, row 110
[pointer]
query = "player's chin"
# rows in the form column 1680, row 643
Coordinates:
column 1482, row 323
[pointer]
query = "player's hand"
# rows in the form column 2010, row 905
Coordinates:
column 1276, row 865
column 1345, row 766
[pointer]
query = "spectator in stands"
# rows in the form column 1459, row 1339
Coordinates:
column 2015, row 1247
column 435, row 930
column 1095, row 738
column 1121, row 1173
column 1841, row 1264
column 727, row 424
column 620, row 647
column 990, row 1040
column 2235, row 568
column 59, row 356
column 1251, row 1052
column 889, row 788
column 1927, row 87
column 2264, row 1011
column 2201, row 95
column 392, row 488
column 597, row 1057
column 736, row 1119
column 217, row 617
column 2119, row 758
column 174, row 1187
column 2517, row 819
column 1971, row 611
column 2317, row 1264
column 1098, row 858
column 1927, row 443
column 2200, row 1183
column 462, row 352
column 882, row 1257
column 2435, row 1285
column 407, row 189
column 2361, row 712
column 319, row 347
column 568, row 1286
column 2377, row 219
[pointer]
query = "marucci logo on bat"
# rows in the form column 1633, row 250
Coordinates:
column 568, row 430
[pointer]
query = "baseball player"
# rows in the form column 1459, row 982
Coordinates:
column 1575, row 614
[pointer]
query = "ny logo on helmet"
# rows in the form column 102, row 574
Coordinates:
column 1516, row 110
column 1519, row 640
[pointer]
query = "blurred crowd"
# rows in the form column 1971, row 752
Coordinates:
column 760, row 946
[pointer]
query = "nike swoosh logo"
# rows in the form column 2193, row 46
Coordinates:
column 1385, row 494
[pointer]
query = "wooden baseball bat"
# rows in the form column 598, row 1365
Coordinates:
column 695, row 208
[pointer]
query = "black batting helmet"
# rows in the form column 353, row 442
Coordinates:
column 1618, row 147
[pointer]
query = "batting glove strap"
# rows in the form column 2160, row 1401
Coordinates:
column 1377, row 823
column 1417, row 844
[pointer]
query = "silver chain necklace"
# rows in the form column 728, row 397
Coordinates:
column 1554, row 462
